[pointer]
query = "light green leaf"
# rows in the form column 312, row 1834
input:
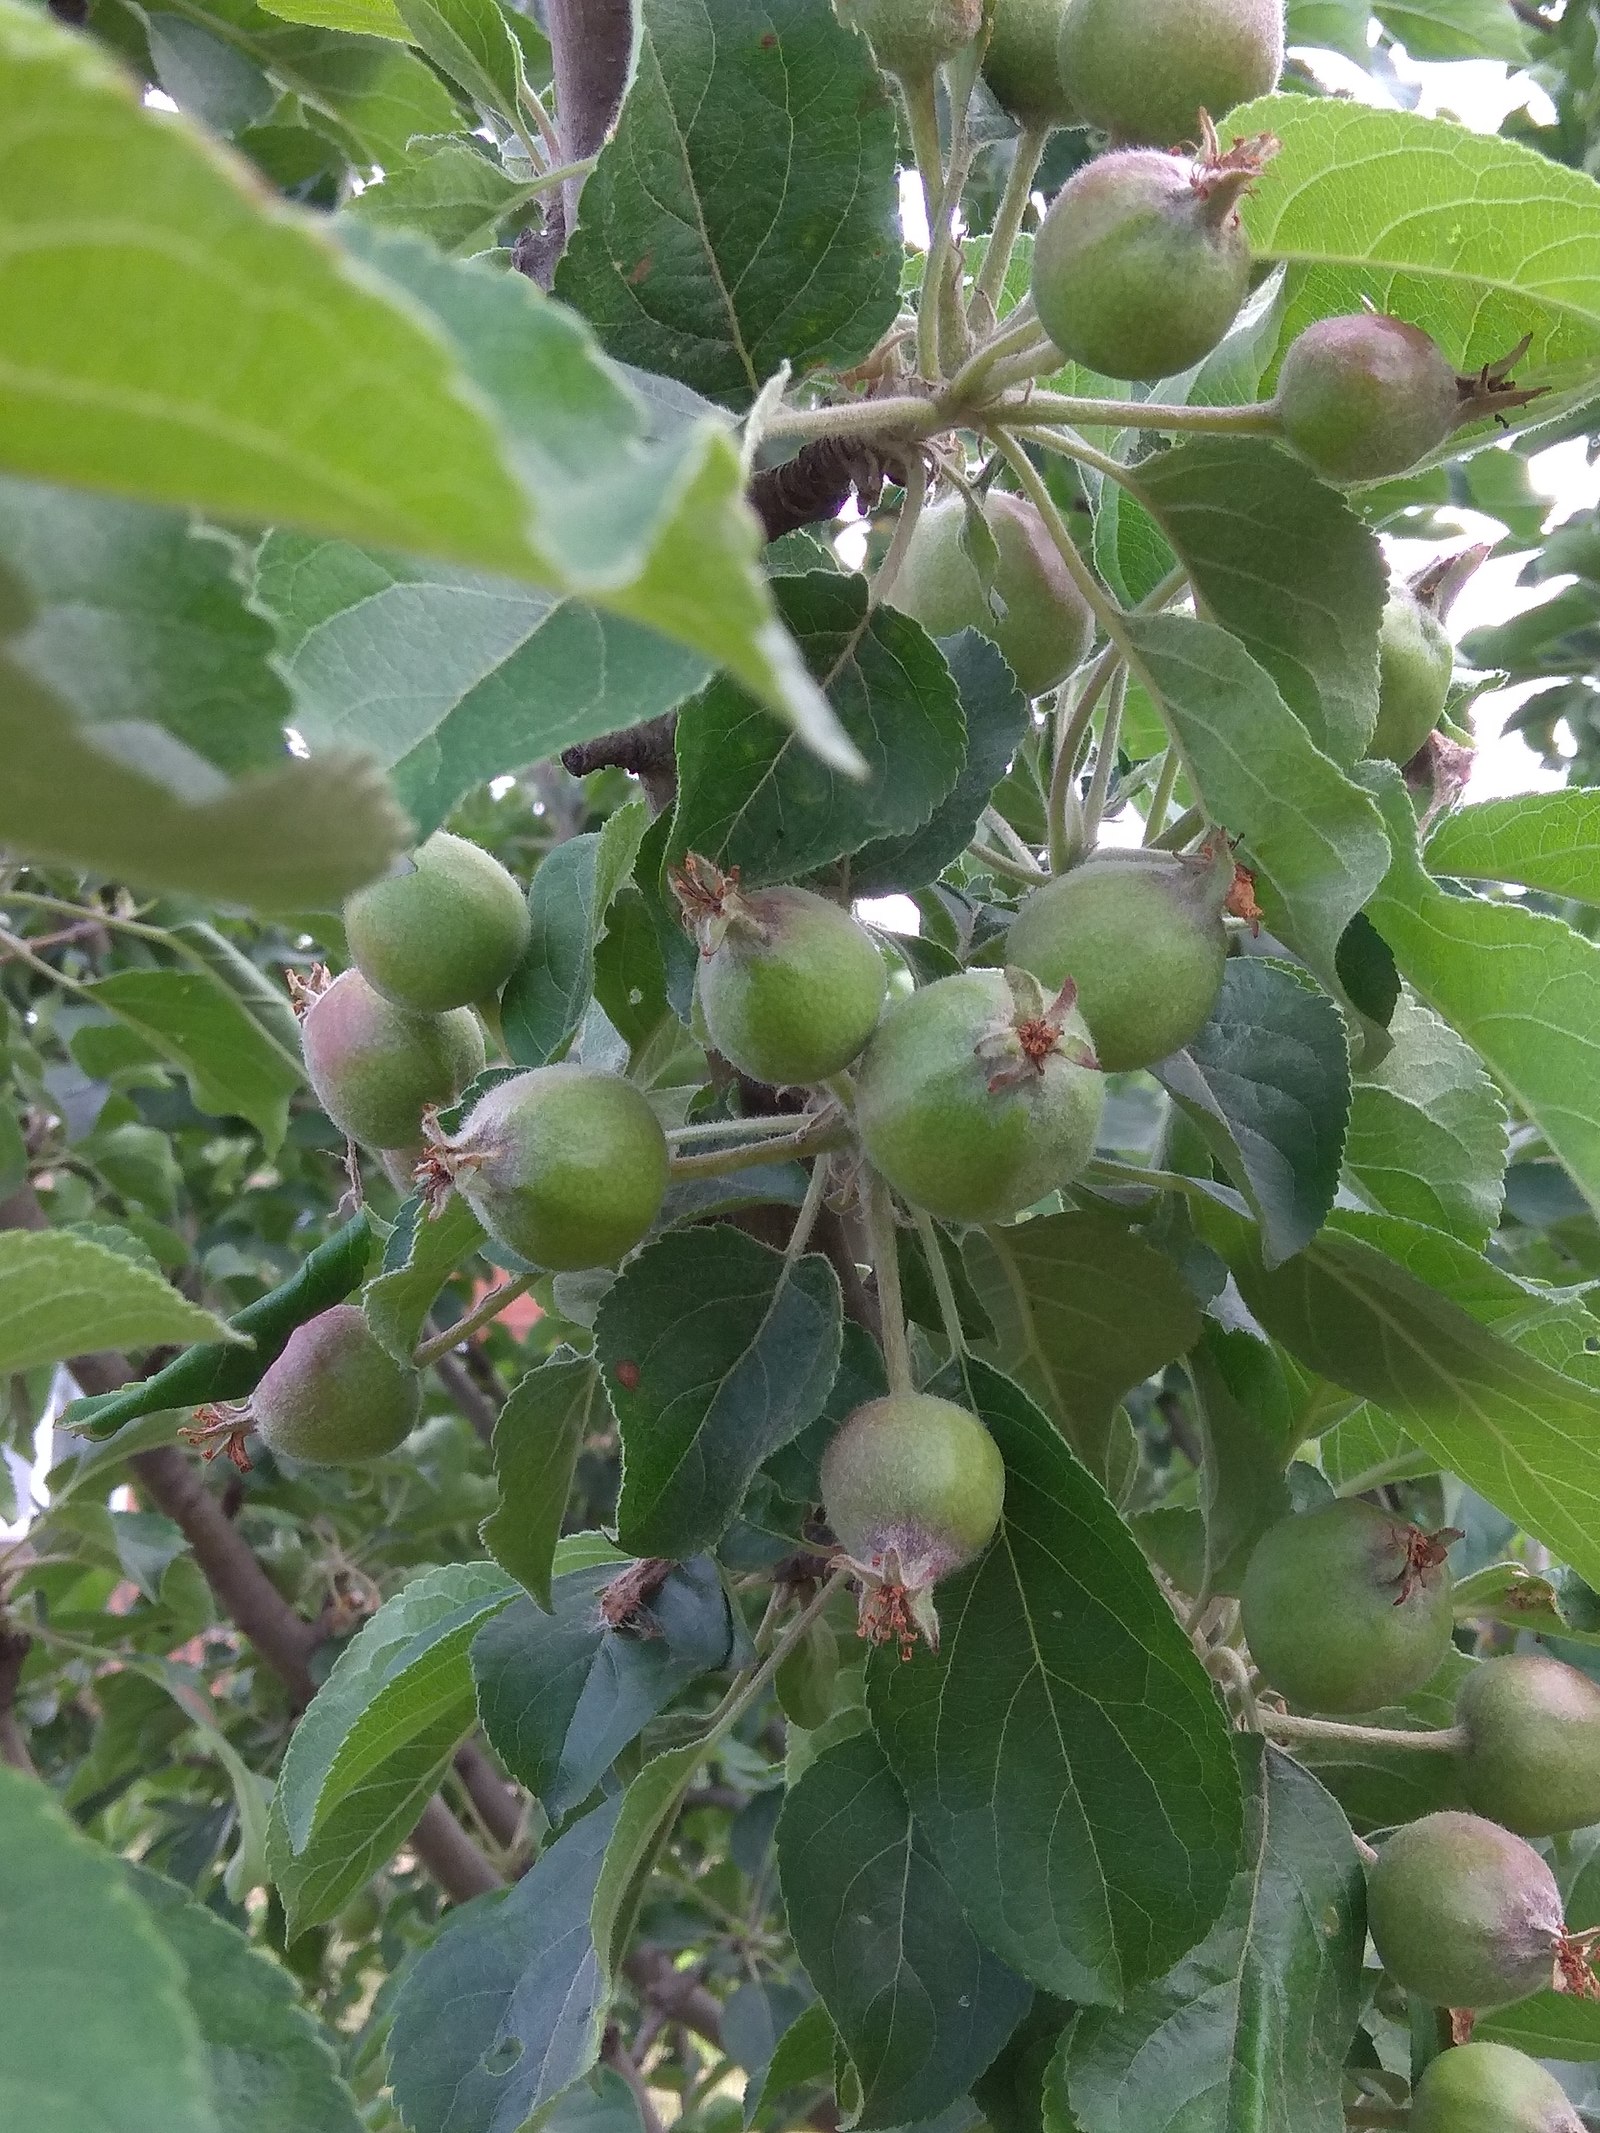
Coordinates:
column 1315, row 840
column 62, row 1295
column 1455, row 29
column 537, row 1438
column 366, row 18
column 755, row 137
column 485, row 432
column 234, row 1068
column 547, row 996
column 419, row 1256
column 1280, row 560
column 1428, row 1130
column 1249, row 2033
column 366, row 1756
column 1338, row 25
column 471, row 41
column 1545, row 840
column 1522, row 988
column 1083, row 1311
column 272, row 2068
column 126, row 2054
column 450, row 190
column 1433, row 223
column 649, row 1809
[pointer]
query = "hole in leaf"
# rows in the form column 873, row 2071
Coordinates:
column 503, row 2057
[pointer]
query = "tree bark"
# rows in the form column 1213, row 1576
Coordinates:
column 591, row 42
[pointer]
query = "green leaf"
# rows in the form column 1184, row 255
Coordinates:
column 366, row 18
column 1249, row 2033
column 1063, row 1752
column 1249, row 1432
column 1550, row 2025
column 504, row 2010
column 1545, row 840
column 537, row 1438
column 228, row 1369
column 126, row 2054
column 998, row 715
column 1315, row 840
column 471, row 42
column 734, row 1349
column 750, row 797
column 132, row 801
column 367, row 1755
column 138, row 623
column 1431, row 222
column 234, row 1069
column 447, row 677
column 649, row 1809
column 419, row 1256
column 1514, row 1429
column 1378, row 1787
column 547, row 996
column 1338, row 25
column 1267, row 1081
column 1281, row 561
column 743, row 214
column 489, row 432
column 561, row 1695
column 62, row 1295
column 1523, row 989
column 1428, row 1130
column 450, row 190
column 370, row 96
column 922, row 2005
column 1455, row 29
column 1084, row 1310
column 271, row 2065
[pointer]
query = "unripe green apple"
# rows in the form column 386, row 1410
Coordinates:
column 1366, row 396
column 1144, row 942
column 1533, row 1754
column 445, row 930
column 1415, row 663
column 1146, row 69
column 373, row 1066
column 1022, row 61
column 1489, row 2088
column 1346, row 1608
column 1141, row 264
column 1463, row 1913
column 790, row 987
column 334, row 1396
column 972, row 1099
column 912, row 37
column 564, row 1166
column 913, row 1487
column 1045, row 627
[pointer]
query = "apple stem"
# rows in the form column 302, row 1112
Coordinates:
column 1008, row 217
column 1444, row 1740
column 885, row 1253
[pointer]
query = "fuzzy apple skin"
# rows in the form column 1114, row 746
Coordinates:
column 794, row 988
column 1533, row 1760
column 1415, row 663
column 1146, row 69
column 1144, row 943
column 447, row 930
column 1135, row 273
column 916, row 1475
column 1366, row 396
column 912, row 37
column 566, row 1167
column 373, row 1066
column 1046, row 629
column 335, row 1397
column 1022, row 61
column 1323, row 1615
column 1463, row 1913
column 1489, row 2088
column 933, row 1126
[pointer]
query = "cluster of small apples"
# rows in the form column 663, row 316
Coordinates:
column 1347, row 1609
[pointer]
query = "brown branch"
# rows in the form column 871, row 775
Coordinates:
column 451, row 1858
column 677, row 1995
column 647, row 750
column 467, row 1397
column 498, row 1803
column 616, row 2055
column 816, row 484
column 14, row 1649
column 591, row 42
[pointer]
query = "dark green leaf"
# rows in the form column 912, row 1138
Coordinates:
column 749, row 796
column 921, row 2004
column 754, row 137
column 228, row 1370
column 547, row 995
column 1249, row 1434
column 537, row 1438
column 997, row 715
column 1268, row 1083
column 1063, row 1752
column 504, row 2011
column 420, row 1254
column 1545, row 840
column 1249, row 2033
column 561, row 1694
column 234, row 1068
column 271, row 2064
column 733, row 1351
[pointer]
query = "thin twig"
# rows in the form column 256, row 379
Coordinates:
column 886, row 1264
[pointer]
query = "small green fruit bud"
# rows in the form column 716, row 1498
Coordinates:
column 334, row 1396
column 1489, row 2088
column 1533, row 1754
column 911, row 38
column 1464, row 1914
column 1146, row 69
column 445, row 930
column 373, row 1066
column 1022, row 61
